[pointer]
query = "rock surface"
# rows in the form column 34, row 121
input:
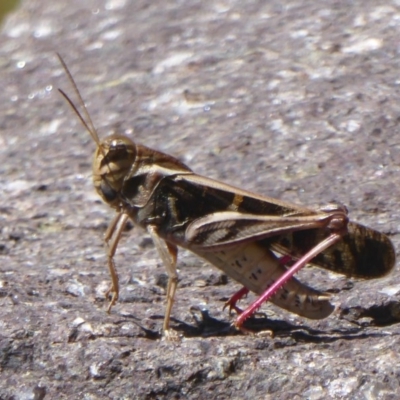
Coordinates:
column 296, row 100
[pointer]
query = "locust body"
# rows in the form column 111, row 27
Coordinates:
column 237, row 231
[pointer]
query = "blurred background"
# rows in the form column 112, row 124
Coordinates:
column 6, row 6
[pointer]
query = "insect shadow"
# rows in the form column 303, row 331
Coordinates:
column 262, row 326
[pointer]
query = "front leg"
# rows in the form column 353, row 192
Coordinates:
column 168, row 253
column 111, row 238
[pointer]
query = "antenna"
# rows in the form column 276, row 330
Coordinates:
column 86, row 120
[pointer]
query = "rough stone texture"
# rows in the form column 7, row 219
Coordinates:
column 297, row 100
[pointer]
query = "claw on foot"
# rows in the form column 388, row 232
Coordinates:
column 114, row 297
column 231, row 303
column 170, row 335
column 238, row 324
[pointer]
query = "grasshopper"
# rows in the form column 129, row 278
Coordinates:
column 239, row 232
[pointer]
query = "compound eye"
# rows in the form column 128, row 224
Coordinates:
column 120, row 151
column 117, row 151
column 108, row 193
